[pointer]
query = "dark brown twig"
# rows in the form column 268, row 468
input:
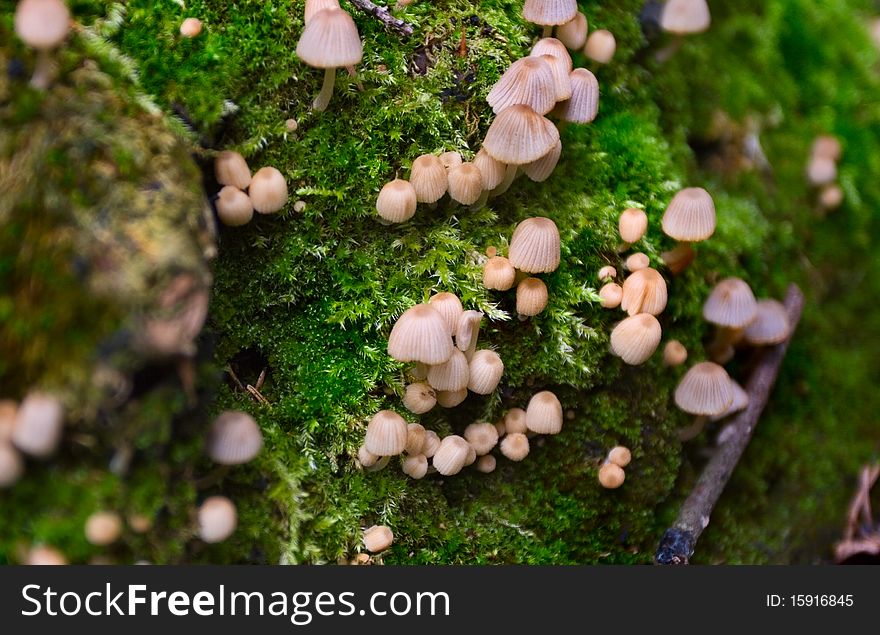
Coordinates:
column 384, row 16
column 677, row 544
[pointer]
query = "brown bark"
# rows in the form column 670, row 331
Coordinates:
column 384, row 16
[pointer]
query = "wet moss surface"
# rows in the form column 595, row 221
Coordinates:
column 310, row 296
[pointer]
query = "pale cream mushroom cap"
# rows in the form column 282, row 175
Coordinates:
column 519, row 135
column 529, row 81
column 685, row 17
column 644, row 291
column 531, row 297
column 636, row 338
column 234, row 207
column 731, row 304
column 515, row 446
column 313, row 6
column 452, row 455
column 378, row 538
column 451, row 375
column 552, row 46
column 217, row 519
column 486, row 464
column 484, row 372
column 42, row 24
column 420, row 335
column 515, row 421
column 620, row 456
column 583, row 105
column 632, row 224
column 541, row 169
column 690, row 215
column 230, row 168
column 549, row 12
column 465, row 183
column 770, row 326
column 574, row 32
column 387, row 434
column 544, row 413
column 428, row 178
column 330, row 40
column 706, row 389
column 611, row 476
column 482, row 436
column 268, row 190
column 611, row 295
column 419, row 398
column 637, row 262
column 674, row 353
column 234, row 438
column 449, row 306
column 491, row 169
column 535, row 246
column 38, row 425
column 415, row 466
column 498, row 273
column 103, row 528
column 601, row 46
column 397, row 201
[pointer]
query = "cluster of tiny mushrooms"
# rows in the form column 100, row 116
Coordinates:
column 440, row 336
column 822, row 171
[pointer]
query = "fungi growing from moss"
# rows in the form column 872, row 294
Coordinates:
column 44, row 555
column 731, row 306
column 600, row 46
column 397, row 201
column 268, row 190
column 515, row 446
column 611, row 476
column 452, row 455
column 11, row 464
column 544, row 413
column 314, row 6
column 468, row 332
column 415, row 466
column 465, row 183
column 535, row 246
column 387, row 434
column 234, row 438
column 38, row 425
column 610, row 295
column 519, row 135
column 674, row 353
column 365, row 457
column 486, row 464
column 740, row 402
column 637, row 262
column 234, row 207
column 482, row 436
column 415, row 438
column 191, row 27
column 552, row 46
column 549, row 13
column 632, row 224
column 432, row 443
column 329, row 41
column 498, row 273
column 428, row 179
column 449, row 306
column 451, row 375
column 485, row 371
column 831, row 197
column 515, row 421
column 420, row 335
column 43, row 25
column 419, row 398
column 636, row 338
column 450, row 159
column 230, row 168
column 821, row 171
column 561, row 78
column 103, row 528
column 492, row 171
column 378, row 538
column 607, row 273
column 690, row 215
column 531, row 297
column 620, row 456
column 583, row 105
column 770, row 326
column 528, row 81
column 644, row 292
column 541, row 169
column 706, row 389
column 218, row 519
column 451, row 398
column 678, row 258
column 685, row 17
column 574, row 32
column 827, row 146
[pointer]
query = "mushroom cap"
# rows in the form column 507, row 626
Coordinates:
column 607, row 273
column 397, row 201
column 552, row 46
column 42, row 24
column 268, row 190
column 541, row 169
column 330, row 40
column 449, row 306
column 674, row 353
column 486, row 464
column 827, row 146
column 706, row 389
column 450, row 159
column 230, row 168
column 44, row 555
column 678, row 258
column 38, row 425
column 583, row 105
column 103, row 528
column 831, row 196
column 690, row 215
column 234, row 207
column 428, row 178
column 770, row 326
column 378, row 538
column 544, row 413
column 574, row 32
column 415, row 466
column 8, row 412
column 519, row 135
column 491, row 169
column 821, row 170
column 600, row 46
column 535, row 246
column 731, row 304
column 420, row 335
column 515, row 446
column 620, row 456
column 191, row 27
column 611, row 476
column 644, row 291
column 218, row 519
column 636, row 338
column 11, row 464
column 498, row 273
column 531, row 297
column 451, row 375
column 468, row 330
column 415, row 438
column 432, row 443
column 527, row 81
column 549, row 12
column 386, row 434
column 683, row 17
column 740, row 402
column 611, row 295
column 313, row 6
column 637, row 262
column 366, row 458
column 465, row 183
column 452, row 455
column 451, row 398
column 561, row 78
column 234, row 438
column 515, row 421
column 482, row 436
column 419, row 398
column 485, row 371
column 633, row 224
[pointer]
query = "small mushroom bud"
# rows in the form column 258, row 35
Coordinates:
column 611, row 295
column 486, row 464
column 482, row 437
column 230, row 168
column 268, row 190
column 38, row 425
column 600, row 46
column 674, row 353
column 465, row 183
column 544, row 413
column 415, row 438
column 397, row 201
column 432, row 443
column 387, row 434
column 378, row 538
column 485, row 371
column 607, row 273
column 450, row 159
column 831, row 197
column 471, row 456
column 451, row 375
column 103, row 528
column 644, row 292
column 451, row 398
column 44, row 555
column 234, row 438
column 620, row 456
column 415, row 466
column 498, row 273
column 515, row 421
column 531, row 297
column 611, row 476
column 191, row 27
column 633, row 224
column 821, row 171
column 452, row 455
column 636, row 338
column 234, row 207
column 366, row 458
column 515, row 446
column 449, row 306
column 637, row 262
column 139, row 523
column 11, row 465
column 573, row 33
column 419, row 398
column 217, row 519
column 428, row 178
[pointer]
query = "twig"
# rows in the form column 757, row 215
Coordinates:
column 384, row 16
column 677, row 544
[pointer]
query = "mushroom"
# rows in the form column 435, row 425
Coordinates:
column 428, row 179
column 740, row 402
column 821, row 171
column 234, row 438
column 498, row 273
column 689, row 217
column 415, row 438
column 549, row 13
column 561, row 70
column 234, row 207
column 515, row 421
column 485, row 371
column 644, row 292
column 230, row 168
column 451, row 398
column 449, row 306
column 674, row 353
column 419, row 398
column 415, row 466
column 611, row 476
column 831, row 197
column 420, row 335
column 528, row 81
column 432, row 443
column 732, row 307
column 329, row 41
column 574, row 32
column 366, row 458
column 397, row 201
column 482, row 436
column 491, row 170
column 636, row 338
column 633, row 224
column 607, row 273
column 38, row 425
column 544, row 413
column 386, row 434
column 268, row 190
column 452, row 455
column 103, row 528
column 770, row 326
column 552, row 46
column 610, row 295
column 515, row 446
column 217, row 519
column 619, row 456
column 827, row 146
column 486, row 464
column 465, row 183
column 191, row 27
column 535, row 246
column 467, row 332
column 678, row 258
column 541, row 169
column 44, row 555
column 378, row 538
column 637, row 262
column 519, row 135
column 450, row 159
column 685, row 17
column 42, row 25
column 600, row 46
column 531, row 297
column 451, row 375
column 11, row 464
column 313, row 6
column 706, row 389
column 583, row 105
column 139, row 523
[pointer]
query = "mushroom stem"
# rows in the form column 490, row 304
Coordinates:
column 213, row 477
column 679, row 257
column 509, row 175
column 548, row 30
column 480, row 202
column 721, row 347
column 323, row 98
column 689, row 432
column 44, row 70
column 666, row 53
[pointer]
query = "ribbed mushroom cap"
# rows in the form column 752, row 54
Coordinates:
column 620, row 456
column 415, row 438
column 544, row 413
column 415, row 466
column 268, row 190
column 330, row 40
column 515, row 446
column 451, row 398
column 827, row 146
column 527, row 81
column 482, row 436
column 485, row 371
column 432, row 443
column 636, row 338
column 683, row 17
column 42, row 24
column 731, row 304
column 450, row 375
column 561, row 78
column 428, row 178
column 234, row 207
column 230, row 168
column 420, row 335
column 449, row 306
column 452, row 455
column 11, row 464
column 574, row 33
column 549, row 12
column 519, row 135
column 770, row 326
column 644, row 291
column 607, row 273
column 8, row 412
column 386, row 434
column 821, row 170
column 468, row 331
column 611, row 294
column 541, row 169
column 552, row 46
column 740, row 402
column 313, row 6
column 419, row 398
column 535, row 246
column 217, row 519
column 515, row 421
column 531, row 297
column 611, row 476
column 690, row 215
column 633, row 224
column 44, row 555
column 397, row 201
column 600, row 46
column 498, row 273
column 103, row 528
column 378, row 538
column 486, row 464
column 465, row 183
column 234, row 438
column 450, row 159
column 38, row 425
column 583, row 105
column 705, row 389
column 637, row 262
column 491, row 169
column 674, row 353
column 366, row 458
